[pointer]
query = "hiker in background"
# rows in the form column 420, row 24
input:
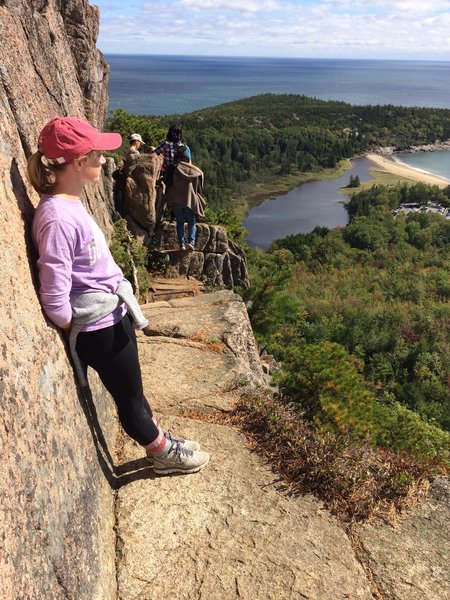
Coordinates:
column 169, row 147
column 83, row 291
column 135, row 142
column 184, row 196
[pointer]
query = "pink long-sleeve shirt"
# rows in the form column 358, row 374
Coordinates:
column 74, row 258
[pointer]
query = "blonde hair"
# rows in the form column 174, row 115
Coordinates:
column 41, row 173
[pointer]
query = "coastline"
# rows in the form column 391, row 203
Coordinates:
column 383, row 160
column 388, row 163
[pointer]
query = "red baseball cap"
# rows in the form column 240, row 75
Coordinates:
column 65, row 138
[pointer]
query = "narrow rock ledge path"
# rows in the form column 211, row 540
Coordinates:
column 226, row 532
column 230, row 531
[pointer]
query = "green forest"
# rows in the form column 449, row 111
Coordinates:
column 359, row 317
column 266, row 137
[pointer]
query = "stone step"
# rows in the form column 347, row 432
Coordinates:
column 169, row 288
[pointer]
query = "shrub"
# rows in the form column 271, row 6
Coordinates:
column 323, row 382
column 326, row 387
column 355, row 480
column 404, row 430
column 131, row 256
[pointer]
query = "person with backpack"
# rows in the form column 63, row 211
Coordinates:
column 184, row 196
column 168, row 148
column 83, row 291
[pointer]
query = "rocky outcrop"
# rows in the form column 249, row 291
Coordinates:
column 438, row 146
column 216, row 260
column 81, row 23
column 217, row 330
column 57, row 474
column 228, row 532
column 49, row 66
column 138, row 193
column 410, row 561
column 232, row 531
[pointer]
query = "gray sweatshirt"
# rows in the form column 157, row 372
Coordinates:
column 91, row 307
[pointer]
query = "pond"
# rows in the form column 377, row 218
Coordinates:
column 312, row 204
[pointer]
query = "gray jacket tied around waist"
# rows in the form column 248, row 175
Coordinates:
column 91, row 307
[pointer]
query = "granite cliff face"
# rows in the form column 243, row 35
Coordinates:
column 49, row 66
column 56, row 503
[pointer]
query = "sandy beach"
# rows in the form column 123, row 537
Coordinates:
column 389, row 165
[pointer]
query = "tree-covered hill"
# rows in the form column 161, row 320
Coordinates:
column 360, row 318
column 260, row 139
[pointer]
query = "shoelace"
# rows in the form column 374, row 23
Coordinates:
column 179, row 451
column 172, row 438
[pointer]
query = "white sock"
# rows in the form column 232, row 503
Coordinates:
column 159, row 447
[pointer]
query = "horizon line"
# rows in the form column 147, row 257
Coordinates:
column 230, row 56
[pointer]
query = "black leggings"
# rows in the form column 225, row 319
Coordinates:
column 112, row 352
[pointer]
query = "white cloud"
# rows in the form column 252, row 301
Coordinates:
column 234, row 5
column 398, row 7
column 338, row 28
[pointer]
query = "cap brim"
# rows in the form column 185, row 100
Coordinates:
column 108, row 141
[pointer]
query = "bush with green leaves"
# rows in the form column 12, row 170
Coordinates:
column 269, row 302
column 131, row 256
column 323, row 381
column 327, row 387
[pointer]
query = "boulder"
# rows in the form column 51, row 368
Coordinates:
column 238, row 265
column 213, row 269
column 224, row 263
column 140, row 194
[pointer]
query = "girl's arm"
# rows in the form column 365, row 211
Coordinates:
column 56, row 247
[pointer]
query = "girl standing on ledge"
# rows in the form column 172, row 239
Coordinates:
column 83, row 291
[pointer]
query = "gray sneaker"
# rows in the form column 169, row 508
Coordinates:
column 191, row 246
column 188, row 444
column 180, row 460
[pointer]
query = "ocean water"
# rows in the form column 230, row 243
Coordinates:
column 161, row 85
column 432, row 162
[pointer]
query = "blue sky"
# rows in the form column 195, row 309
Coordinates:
column 396, row 29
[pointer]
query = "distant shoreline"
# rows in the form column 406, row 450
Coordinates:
column 388, row 163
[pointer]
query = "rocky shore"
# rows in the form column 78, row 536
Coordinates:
column 438, row 146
